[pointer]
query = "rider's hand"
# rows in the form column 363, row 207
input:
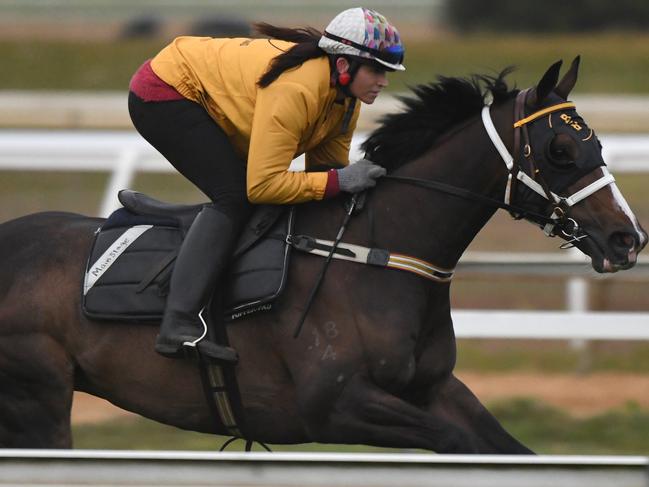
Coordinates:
column 359, row 176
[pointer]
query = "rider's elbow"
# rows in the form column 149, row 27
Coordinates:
column 258, row 195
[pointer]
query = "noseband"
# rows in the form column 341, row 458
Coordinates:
column 559, row 220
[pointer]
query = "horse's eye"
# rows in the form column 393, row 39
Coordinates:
column 562, row 151
column 559, row 153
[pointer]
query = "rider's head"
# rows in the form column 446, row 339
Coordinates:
column 362, row 37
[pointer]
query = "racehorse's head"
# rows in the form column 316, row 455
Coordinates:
column 560, row 159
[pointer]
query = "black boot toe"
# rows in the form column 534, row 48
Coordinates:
column 178, row 347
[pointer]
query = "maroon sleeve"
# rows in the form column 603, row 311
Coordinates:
column 332, row 188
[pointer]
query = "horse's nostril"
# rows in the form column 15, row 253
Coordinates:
column 623, row 241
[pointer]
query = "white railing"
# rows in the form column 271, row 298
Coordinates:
column 124, row 153
column 282, row 469
column 551, row 325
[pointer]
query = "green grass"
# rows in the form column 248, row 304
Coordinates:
column 67, row 65
column 548, row 430
column 612, row 63
column 25, row 192
column 552, row 356
column 544, row 429
column 144, row 434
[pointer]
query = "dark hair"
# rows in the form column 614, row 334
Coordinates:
column 306, row 48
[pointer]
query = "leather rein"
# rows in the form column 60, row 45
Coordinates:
column 558, row 221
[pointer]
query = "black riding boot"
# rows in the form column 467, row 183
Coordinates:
column 200, row 264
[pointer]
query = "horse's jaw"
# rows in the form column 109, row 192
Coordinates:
column 618, row 252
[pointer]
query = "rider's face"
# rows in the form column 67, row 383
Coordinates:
column 368, row 83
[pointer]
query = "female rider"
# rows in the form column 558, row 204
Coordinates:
column 231, row 115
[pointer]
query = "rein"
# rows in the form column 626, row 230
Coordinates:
column 466, row 194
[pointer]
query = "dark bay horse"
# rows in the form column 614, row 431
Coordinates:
column 374, row 362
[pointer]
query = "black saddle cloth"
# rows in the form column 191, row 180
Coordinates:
column 133, row 254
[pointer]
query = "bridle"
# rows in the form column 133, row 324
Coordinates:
column 558, row 223
column 562, row 204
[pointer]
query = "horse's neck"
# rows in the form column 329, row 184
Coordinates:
column 433, row 225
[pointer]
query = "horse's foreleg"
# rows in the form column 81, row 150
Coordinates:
column 364, row 413
column 454, row 402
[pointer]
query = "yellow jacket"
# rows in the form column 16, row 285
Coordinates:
column 269, row 126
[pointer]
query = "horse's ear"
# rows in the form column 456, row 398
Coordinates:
column 547, row 84
column 567, row 83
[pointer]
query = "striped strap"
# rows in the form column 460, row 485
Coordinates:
column 371, row 256
column 419, row 267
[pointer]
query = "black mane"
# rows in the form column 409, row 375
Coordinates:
column 435, row 108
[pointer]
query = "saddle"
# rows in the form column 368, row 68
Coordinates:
column 133, row 254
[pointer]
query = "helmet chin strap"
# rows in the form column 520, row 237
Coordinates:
column 354, row 66
column 347, row 117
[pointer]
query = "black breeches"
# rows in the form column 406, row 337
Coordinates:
column 184, row 133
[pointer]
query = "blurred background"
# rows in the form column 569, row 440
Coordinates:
column 66, row 143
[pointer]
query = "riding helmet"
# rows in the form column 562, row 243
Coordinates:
column 365, row 34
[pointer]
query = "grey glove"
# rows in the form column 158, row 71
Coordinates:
column 359, row 176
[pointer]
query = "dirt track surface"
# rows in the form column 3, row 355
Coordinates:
column 580, row 395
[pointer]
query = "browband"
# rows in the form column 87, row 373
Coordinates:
column 542, row 112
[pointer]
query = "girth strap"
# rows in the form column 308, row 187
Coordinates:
column 371, row 256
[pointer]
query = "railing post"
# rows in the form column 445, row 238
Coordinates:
column 120, row 178
column 576, row 288
column 578, row 301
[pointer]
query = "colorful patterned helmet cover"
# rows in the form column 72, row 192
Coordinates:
column 364, row 33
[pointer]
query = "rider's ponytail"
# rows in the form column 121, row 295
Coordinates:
column 306, row 48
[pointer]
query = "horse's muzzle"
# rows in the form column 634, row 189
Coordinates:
column 620, row 252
